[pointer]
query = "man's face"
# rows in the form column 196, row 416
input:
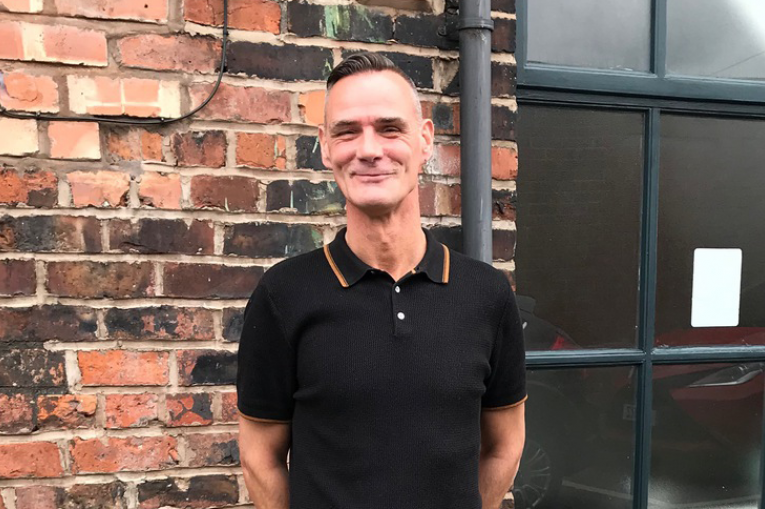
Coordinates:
column 374, row 141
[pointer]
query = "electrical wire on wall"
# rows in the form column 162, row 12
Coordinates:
column 151, row 121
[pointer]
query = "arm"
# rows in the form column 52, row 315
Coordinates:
column 503, row 432
column 263, row 447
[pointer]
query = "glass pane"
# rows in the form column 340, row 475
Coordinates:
column 579, row 192
column 706, row 436
column 590, row 33
column 711, row 184
column 579, row 444
column 716, row 38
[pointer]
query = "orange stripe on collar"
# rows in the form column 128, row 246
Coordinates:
column 332, row 264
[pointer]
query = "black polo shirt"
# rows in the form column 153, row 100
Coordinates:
column 382, row 380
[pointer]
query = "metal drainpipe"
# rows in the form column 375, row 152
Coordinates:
column 475, row 27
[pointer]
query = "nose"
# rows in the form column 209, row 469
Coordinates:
column 369, row 148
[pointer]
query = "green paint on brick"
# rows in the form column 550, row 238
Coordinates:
column 337, row 21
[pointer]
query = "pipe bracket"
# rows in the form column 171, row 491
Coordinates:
column 471, row 23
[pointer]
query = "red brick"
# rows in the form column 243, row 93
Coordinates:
column 74, row 140
column 29, row 93
column 504, row 163
column 159, row 190
column 65, row 44
column 164, row 323
column 138, row 97
column 162, row 236
column 256, row 15
column 120, row 454
column 141, row 10
column 311, row 106
column 43, row 323
column 131, row 410
column 123, row 367
column 171, row 53
column 37, row 497
column 11, row 41
column 192, row 280
column 99, row 188
column 35, row 460
column 68, row 411
column 17, row 277
column 439, row 199
column 24, row 140
column 27, row 6
column 447, row 160
column 248, row 104
column 33, row 188
column 211, row 450
column 261, row 150
column 229, row 410
column 16, row 413
column 79, row 496
column 119, row 280
column 189, row 409
column 233, row 194
column 50, row 234
column 205, row 148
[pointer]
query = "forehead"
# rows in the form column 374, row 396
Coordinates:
column 378, row 93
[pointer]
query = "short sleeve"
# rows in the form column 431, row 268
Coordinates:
column 506, row 385
column 265, row 380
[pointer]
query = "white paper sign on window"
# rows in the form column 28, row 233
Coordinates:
column 716, row 296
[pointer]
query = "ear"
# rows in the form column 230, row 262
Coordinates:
column 324, row 144
column 427, row 132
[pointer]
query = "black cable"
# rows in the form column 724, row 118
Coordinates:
column 152, row 121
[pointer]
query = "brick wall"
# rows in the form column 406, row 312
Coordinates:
column 128, row 252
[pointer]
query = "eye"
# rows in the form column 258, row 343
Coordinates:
column 391, row 129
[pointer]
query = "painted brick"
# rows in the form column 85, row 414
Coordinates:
column 26, row 6
column 503, row 204
column 189, row 409
column 270, row 240
column 503, row 35
column 419, row 68
column 423, row 30
column 35, row 460
column 17, row 277
column 27, row 92
column 160, row 190
column 233, row 194
column 254, row 15
column 199, row 281
column 99, row 188
column 79, row 496
column 131, row 410
column 211, row 450
column 123, row 367
column 118, row 280
column 229, row 412
column 74, row 140
column 132, row 144
column 341, row 22
column 504, row 163
column 206, row 367
column 286, row 63
column 170, row 53
column 44, row 323
column 121, row 454
column 136, row 97
column 248, row 104
column 31, row 368
column 140, row 10
column 233, row 322
column 502, row 123
column 68, row 411
column 308, row 153
column 202, row 148
column 16, row 414
column 161, row 236
column 261, row 150
column 195, row 493
column 164, row 323
column 311, row 106
column 33, row 188
column 51, row 234
column 24, row 139
column 305, row 197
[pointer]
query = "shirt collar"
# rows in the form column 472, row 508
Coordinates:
column 349, row 269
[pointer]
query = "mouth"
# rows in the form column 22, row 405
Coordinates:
column 372, row 176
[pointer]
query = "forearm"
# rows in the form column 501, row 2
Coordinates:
column 496, row 475
column 268, row 487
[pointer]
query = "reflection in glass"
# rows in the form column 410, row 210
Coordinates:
column 706, row 436
column 579, row 195
column 579, row 446
column 590, row 33
column 716, row 38
column 711, row 182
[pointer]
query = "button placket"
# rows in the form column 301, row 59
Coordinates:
column 401, row 318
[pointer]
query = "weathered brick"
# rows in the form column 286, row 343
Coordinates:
column 445, row 116
column 420, row 69
column 99, row 188
column 211, row 450
column 160, row 190
column 305, row 20
column 503, row 5
column 203, row 148
column 161, row 236
column 261, row 150
column 79, row 496
column 120, row 454
column 504, row 163
column 284, row 63
column 31, row 368
column 160, row 323
column 34, row 460
column 51, row 234
column 309, row 153
column 68, row 411
column 198, row 281
column 123, row 367
column 503, row 80
column 37, row 497
column 52, row 43
column 140, row 10
column 24, row 140
column 17, row 277
column 170, row 53
column 26, row 6
column 233, row 194
column 439, row 199
column 305, row 197
column 200, row 492
column 101, row 280
column 341, row 22
column 502, row 123
column 254, row 15
column 270, row 240
column 16, row 414
column 247, row 104
column 131, row 410
column 311, row 105
column 33, row 188
column 423, row 30
column 74, row 140
column 229, row 411
column 233, row 321
column 206, row 367
column 503, row 204
column 132, row 144
column 136, row 97
column 44, row 323
column 27, row 92
column 503, row 35
column 189, row 409
column 447, row 160
column 11, row 41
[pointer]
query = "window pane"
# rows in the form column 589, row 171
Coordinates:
column 590, row 33
column 711, row 183
column 579, row 195
column 707, row 435
column 716, row 38
column 579, row 445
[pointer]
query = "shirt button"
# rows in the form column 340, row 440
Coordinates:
column 398, row 289
column 400, row 315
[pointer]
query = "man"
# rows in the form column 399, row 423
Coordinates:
column 391, row 368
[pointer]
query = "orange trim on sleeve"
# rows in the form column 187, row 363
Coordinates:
column 445, row 277
column 258, row 419
column 332, row 264
column 492, row 408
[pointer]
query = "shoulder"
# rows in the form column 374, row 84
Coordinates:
column 295, row 272
column 467, row 271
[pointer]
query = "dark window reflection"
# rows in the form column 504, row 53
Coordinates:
column 579, row 195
